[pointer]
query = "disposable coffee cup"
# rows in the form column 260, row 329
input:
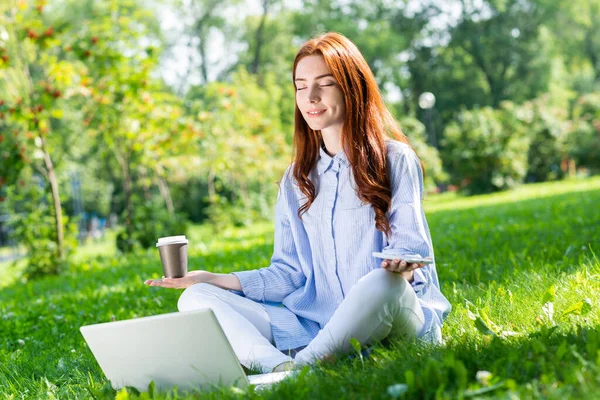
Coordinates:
column 173, row 255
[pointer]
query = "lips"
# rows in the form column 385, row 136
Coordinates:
column 315, row 113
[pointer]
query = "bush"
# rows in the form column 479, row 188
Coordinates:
column 434, row 172
column 485, row 150
column 584, row 142
column 33, row 225
column 548, row 129
column 150, row 222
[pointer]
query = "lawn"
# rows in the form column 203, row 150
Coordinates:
column 520, row 268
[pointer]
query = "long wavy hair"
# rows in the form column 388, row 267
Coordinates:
column 366, row 125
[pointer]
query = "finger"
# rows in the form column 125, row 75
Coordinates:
column 401, row 266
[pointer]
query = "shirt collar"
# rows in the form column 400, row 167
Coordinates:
column 326, row 161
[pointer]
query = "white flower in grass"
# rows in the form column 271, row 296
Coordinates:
column 483, row 377
column 73, row 351
column 21, row 342
column 397, row 390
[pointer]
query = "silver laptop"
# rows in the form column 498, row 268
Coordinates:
column 184, row 349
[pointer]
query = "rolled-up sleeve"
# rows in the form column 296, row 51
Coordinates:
column 284, row 275
column 409, row 238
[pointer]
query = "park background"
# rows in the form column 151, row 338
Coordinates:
column 123, row 120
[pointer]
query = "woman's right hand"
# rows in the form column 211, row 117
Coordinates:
column 189, row 279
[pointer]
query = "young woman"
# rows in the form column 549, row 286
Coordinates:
column 351, row 191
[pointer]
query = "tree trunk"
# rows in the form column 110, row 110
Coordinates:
column 211, row 185
column 591, row 53
column 203, row 56
column 145, row 186
column 55, row 199
column 259, row 38
column 166, row 195
column 128, row 190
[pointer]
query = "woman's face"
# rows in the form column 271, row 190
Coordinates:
column 318, row 95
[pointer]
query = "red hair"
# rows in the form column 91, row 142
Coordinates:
column 367, row 123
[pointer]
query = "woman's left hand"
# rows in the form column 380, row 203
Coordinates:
column 401, row 267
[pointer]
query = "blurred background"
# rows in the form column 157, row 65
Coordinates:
column 126, row 120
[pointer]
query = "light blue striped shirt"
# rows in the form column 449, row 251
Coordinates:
column 316, row 261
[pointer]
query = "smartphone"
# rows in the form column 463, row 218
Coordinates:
column 410, row 260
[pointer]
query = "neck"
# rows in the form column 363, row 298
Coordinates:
column 332, row 137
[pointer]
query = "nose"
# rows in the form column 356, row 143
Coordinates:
column 313, row 95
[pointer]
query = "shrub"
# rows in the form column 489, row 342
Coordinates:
column 434, row 172
column 33, row 226
column 548, row 129
column 584, row 141
column 151, row 222
column 485, row 150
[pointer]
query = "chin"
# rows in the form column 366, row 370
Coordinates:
column 316, row 127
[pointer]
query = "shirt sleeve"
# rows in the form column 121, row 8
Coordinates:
column 409, row 236
column 285, row 274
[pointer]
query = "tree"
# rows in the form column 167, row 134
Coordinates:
column 243, row 146
column 576, row 25
column 201, row 20
column 368, row 24
column 40, row 78
column 139, row 123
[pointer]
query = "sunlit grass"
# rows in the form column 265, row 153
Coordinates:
column 497, row 257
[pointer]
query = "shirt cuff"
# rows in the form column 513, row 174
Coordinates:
column 252, row 284
column 419, row 280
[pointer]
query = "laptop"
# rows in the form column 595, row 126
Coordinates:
column 185, row 349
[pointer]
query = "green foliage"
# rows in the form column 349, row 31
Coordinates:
column 547, row 127
column 429, row 155
column 243, row 144
column 12, row 155
column 151, row 222
column 33, row 226
column 485, row 150
column 584, row 141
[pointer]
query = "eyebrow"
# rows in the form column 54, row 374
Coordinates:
column 318, row 77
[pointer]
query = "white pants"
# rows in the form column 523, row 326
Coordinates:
column 382, row 303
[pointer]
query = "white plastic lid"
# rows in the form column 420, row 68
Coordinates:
column 172, row 240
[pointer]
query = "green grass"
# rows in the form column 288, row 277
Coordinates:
column 498, row 256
